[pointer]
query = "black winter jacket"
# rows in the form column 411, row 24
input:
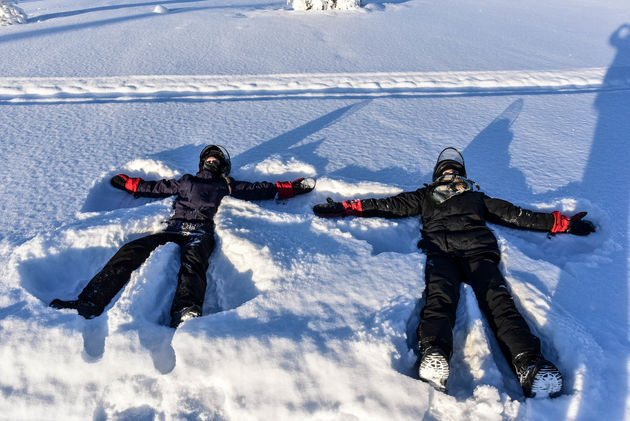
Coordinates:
column 458, row 225
column 199, row 196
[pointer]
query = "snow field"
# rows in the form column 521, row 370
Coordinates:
column 307, row 318
column 264, row 300
column 287, row 286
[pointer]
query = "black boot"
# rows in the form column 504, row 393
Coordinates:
column 184, row 314
column 87, row 309
column 434, row 368
column 537, row 376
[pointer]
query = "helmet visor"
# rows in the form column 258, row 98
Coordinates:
column 450, row 154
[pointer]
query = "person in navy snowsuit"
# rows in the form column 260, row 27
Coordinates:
column 191, row 226
column 461, row 248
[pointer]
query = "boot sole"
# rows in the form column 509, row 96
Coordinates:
column 434, row 369
column 547, row 383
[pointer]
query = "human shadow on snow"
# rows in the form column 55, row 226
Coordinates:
column 493, row 141
column 285, row 145
column 491, row 147
column 103, row 197
column 609, row 154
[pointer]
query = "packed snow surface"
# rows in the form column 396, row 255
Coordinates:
column 242, row 87
column 308, row 318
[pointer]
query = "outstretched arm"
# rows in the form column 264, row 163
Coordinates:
column 505, row 213
column 264, row 190
column 139, row 187
column 399, row 206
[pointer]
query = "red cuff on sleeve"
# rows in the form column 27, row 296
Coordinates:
column 353, row 207
column 285, row 189
column 131, row 184
column 560, row 222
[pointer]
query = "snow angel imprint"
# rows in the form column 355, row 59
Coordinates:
column 191, row 226
column 461, row 248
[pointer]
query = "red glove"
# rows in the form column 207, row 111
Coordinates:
column 353, row 207
column 285, row 189
column 124, row 182
column 560, row 222
column 288, row 189
column 573, row 225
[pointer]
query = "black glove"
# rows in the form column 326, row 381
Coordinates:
column 332, row 209
column 303, row 185
column 579, row 226
column 126, row 183
column 118, row 181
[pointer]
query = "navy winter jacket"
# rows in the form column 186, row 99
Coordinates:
column 199, row 196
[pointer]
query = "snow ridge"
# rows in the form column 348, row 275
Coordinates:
column 208, row 87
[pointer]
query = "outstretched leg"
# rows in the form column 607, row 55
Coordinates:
column 191, row 280
column 112, row 278
column 537, row 376
column 435, row 331
column 497, row 304
column 437, row 318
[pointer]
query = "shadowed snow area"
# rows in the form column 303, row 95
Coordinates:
column 308, row 318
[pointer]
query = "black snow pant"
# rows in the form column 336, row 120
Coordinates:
column 443, row 276
column 195, row 250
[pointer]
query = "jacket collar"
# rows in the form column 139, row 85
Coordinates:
column 207, row 175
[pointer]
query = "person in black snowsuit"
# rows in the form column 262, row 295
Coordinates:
column 191, row 227
column 461, row 248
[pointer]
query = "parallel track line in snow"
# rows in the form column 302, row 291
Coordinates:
column 217, row 87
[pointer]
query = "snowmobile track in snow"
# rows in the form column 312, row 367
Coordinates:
column 283, row 86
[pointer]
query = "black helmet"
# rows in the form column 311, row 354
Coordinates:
column 218, row 152
column 449, row 158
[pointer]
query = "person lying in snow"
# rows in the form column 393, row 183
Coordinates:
column 461, row 248
column 191, row 227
